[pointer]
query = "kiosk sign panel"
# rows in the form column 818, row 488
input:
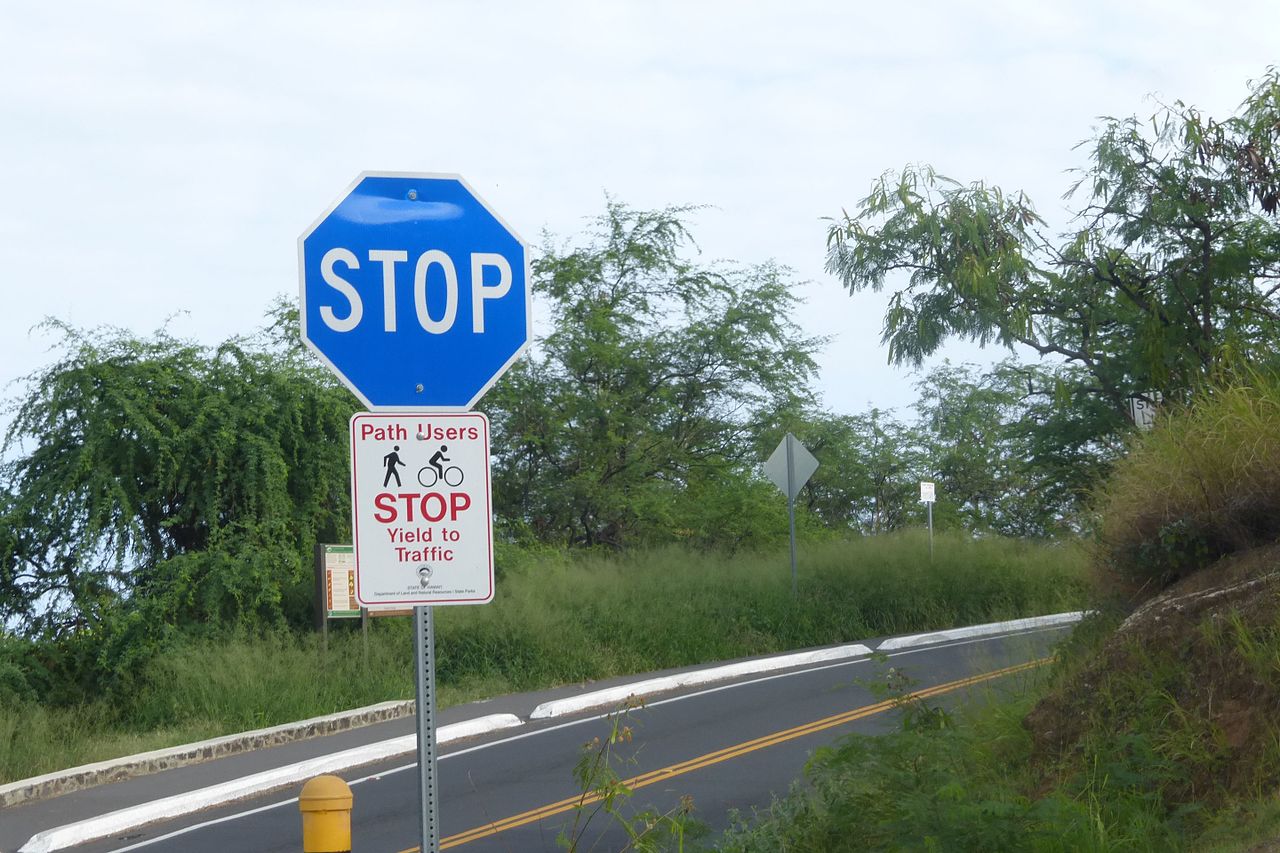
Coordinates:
column 422, row 515
column 340, row 582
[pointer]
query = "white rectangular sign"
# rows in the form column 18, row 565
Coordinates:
column 422, row 514
column 926, row 492
column 1142, row 410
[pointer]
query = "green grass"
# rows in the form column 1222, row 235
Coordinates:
column 1204, row 484
column 953, row 782
column 572, row 621
column 960, row 780
column 1160, row 738
column 559, row 619
column 1149, row 764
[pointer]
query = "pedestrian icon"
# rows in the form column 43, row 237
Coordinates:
column 391, row 460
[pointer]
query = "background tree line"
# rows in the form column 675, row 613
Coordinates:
column 152, row 485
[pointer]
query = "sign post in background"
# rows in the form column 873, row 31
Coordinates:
column 335, row 567
column 789, row 467
column 927, row 496
column 416, row 295
column 340, row 582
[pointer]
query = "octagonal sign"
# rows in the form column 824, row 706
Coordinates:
column 414, row 292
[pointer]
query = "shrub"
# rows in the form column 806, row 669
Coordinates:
column 17, row 675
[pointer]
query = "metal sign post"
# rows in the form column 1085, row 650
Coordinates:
column 930, row 505
column 789, row 467
column 417, row 296
column 422, row 525
column 791, row 506
column 927, row 496
column 424, row 653
column 364, row 634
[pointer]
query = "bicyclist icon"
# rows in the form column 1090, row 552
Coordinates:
column 435, row 471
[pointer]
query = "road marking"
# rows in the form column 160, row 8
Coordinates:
column 726, row 754
column 383, row 773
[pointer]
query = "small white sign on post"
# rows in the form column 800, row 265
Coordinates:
column 422, row 516
column 1142, row 410
column 927, row 498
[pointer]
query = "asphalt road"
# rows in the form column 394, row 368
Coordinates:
column 731, row 747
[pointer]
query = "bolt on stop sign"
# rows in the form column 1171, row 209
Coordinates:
column 422, row 511
column 414, row 292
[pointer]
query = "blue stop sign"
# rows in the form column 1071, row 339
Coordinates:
column 414, row 292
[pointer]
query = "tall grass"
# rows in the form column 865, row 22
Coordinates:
column 561, row 619
column 1203, row 484
column 577, row 620
column 1121, row 746
column 962, row 781
column 1161, row 738
column 1150, row 770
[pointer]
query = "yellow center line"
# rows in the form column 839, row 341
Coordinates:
column 673, row 770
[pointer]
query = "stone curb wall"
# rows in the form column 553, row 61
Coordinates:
column 115, row 770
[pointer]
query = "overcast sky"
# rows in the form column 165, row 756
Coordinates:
column 161, row 158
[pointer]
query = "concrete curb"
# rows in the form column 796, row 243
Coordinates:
column 981, row 630
column 180, row 804
column 117, row 769
column 640, row 689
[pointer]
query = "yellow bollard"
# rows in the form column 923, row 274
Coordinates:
column 325, row 803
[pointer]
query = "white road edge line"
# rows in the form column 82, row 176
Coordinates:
column 980, row 630
column 618, row 695
column 192, row 801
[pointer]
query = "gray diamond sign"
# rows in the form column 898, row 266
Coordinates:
column 790, row 466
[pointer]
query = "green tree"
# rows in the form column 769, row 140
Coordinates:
column 643, row 393
column 154, row 481
column 1174, row 262
column 965, row 421
column 1014, row 450
column 869, row 465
